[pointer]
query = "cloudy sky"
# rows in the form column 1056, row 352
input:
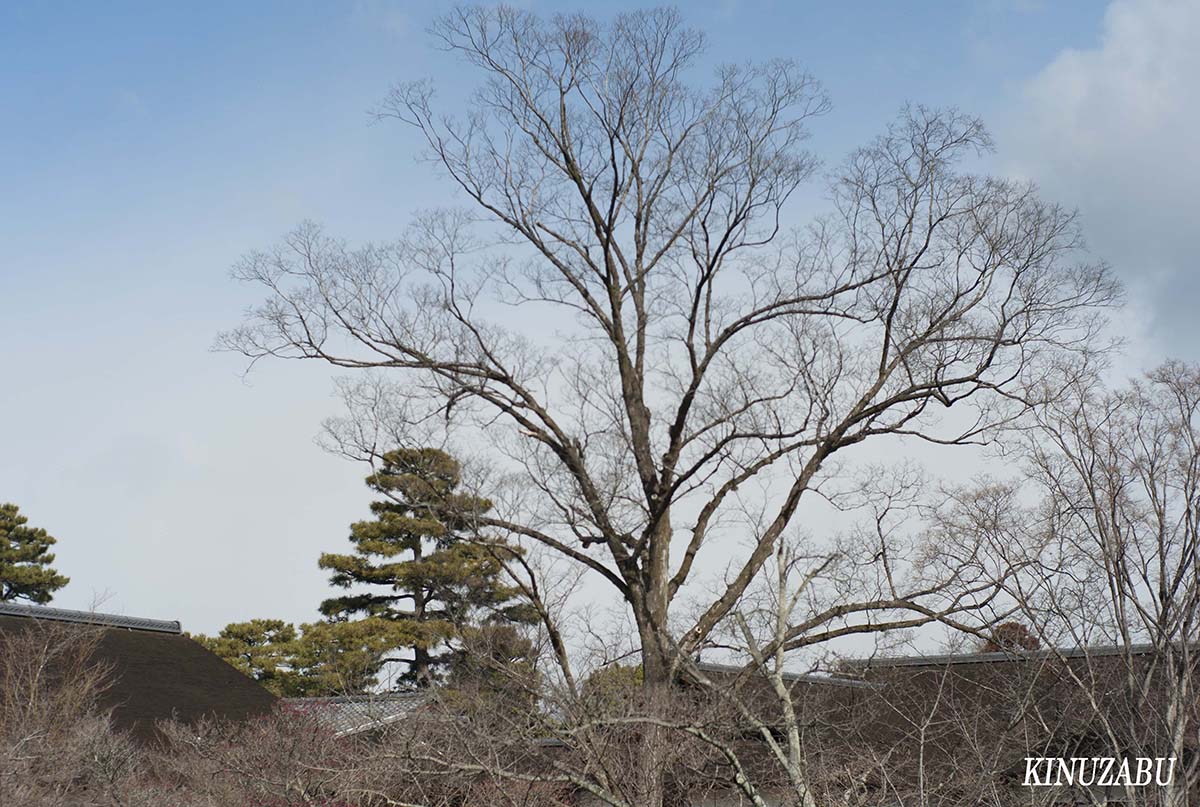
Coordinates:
column 145, row 146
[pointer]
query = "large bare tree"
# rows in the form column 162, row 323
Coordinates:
column 626, row 323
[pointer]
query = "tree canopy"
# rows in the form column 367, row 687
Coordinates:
column 316, row 659
column 260, row 648
column 429, row 586
column 25, row 558
column 426, row 570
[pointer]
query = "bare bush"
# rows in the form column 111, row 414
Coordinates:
column 57, row 745
column 286, row 759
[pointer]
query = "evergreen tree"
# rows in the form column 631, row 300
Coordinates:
column 612, row 687
column 323, row 658
column 495, row 674
column 25, row 558
column 261, row 648
column 423, row 576
column 343, row 658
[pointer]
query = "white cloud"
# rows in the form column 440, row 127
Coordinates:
column 1113, row 130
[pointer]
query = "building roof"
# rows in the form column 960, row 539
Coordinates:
column 89, row 618
column 790, row 677
column 354, row 714
column 998, row 656
column 157, row 672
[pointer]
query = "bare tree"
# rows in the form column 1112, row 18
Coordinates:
column 891, row 574
column 702, row 349
column 1113, row 533
column 957, row 732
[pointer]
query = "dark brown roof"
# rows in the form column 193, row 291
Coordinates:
column 157, row 673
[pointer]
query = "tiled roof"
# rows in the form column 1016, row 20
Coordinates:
column 89, row 618
column 352, row 714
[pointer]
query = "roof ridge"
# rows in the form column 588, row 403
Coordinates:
column 367, row 697
column 829, row 679
column 1001, row 655
column 89, row 618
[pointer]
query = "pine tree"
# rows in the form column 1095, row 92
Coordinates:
column 343, row 658
column 25, row 558
column 495, row 674
column 323, row 658
column 260, row 648
column 423, row 576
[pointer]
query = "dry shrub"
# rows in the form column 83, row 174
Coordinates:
column 285, row 759
column 57, row 746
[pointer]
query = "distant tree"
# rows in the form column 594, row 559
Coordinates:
column 343, row 658
column 261, row 648
column 322, row 658
column 1010, row 636
column 610, row 686
column 495, row 667
column 428, row 574
column 25, row 558
column 1112, row 563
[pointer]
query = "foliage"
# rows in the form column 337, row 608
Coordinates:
column 427, row 572
column 25, row 558
column 610, row 686
column 336, row 658
column 494, row 670
column 428, row 584
column 320, row 658
column 260, row 648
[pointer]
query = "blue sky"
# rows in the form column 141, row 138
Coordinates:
column 145, row 146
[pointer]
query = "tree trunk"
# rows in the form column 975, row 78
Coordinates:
column 658, row 657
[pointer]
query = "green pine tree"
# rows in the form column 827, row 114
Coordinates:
column 494, row 675
column 25, row 558
column 343, row 658
column 421, row 573
column 261, row 648
column 324, row 658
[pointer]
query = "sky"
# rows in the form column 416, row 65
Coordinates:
column 145, row 146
